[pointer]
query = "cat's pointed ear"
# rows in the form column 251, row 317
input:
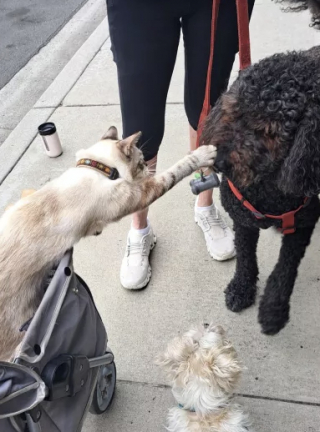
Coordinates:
column 127, row 144
column 112, row 133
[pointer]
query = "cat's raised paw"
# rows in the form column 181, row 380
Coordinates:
column 205, row 155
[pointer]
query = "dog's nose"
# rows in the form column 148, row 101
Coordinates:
column 216, row 329
column 219, row 329
column 220, row 165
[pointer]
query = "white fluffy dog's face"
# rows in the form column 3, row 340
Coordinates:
column 203, row 368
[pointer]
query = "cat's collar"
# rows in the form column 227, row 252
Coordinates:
column 111, row 173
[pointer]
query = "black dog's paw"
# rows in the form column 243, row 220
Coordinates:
column 239, row 295
column 273, row 316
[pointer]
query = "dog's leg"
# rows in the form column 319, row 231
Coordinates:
column 274, row 305
column 241, row 291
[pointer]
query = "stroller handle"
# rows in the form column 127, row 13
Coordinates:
column 105, row 359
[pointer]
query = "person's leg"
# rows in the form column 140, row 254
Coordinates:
column 144, row 40
column 140, row 219
column 197, row 31
column 205, row 198
column 197, row 50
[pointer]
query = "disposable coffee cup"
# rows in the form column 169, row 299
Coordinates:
column 50, row 137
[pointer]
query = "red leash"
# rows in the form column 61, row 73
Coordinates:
column 244, row 34
column 244, row 52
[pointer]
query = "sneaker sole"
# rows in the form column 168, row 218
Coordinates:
column 225, row 257
column 149, row 272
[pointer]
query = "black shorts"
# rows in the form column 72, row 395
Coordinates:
column 144, row 40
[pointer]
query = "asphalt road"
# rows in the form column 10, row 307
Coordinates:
column 26, row 26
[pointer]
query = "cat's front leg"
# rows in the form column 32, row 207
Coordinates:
column 95, row 228
column 202, row 157
column 150, row 189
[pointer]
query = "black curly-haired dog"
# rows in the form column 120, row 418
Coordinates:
column 267, row 132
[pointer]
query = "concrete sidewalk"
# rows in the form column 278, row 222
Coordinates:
column 281, row 386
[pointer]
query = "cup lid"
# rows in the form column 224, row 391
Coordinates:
column 48, row 128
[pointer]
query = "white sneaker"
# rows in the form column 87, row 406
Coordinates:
column 219, row 237
column 135, row 269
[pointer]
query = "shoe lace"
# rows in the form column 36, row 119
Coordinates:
column 137, row 248
column 214, row 219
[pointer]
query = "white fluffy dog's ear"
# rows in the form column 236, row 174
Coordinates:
column 226, row 368
column 175, row 358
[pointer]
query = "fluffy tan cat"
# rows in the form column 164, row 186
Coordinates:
column 38, row 229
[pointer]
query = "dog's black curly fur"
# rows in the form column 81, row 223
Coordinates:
column 267, row 129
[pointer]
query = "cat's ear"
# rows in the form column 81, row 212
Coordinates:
column 126, row 145
column 112, row 133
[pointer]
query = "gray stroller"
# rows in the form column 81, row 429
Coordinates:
column 64, row 367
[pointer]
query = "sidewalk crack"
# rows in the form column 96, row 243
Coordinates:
column 243, row 395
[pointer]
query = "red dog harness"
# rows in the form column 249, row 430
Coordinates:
column 287, row 219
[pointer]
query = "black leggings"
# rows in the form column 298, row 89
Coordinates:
column 145, row 37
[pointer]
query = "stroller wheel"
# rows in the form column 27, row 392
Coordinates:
column 105, row 388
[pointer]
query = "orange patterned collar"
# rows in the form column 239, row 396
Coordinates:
column 111, row 173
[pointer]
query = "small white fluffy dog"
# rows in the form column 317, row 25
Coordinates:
column 203, row 368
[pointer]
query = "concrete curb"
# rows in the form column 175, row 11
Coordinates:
column 61, row 86
column 24, row 133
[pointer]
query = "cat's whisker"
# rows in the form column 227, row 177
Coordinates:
column 142, row 146
column 152, row 169
column 152, row 166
